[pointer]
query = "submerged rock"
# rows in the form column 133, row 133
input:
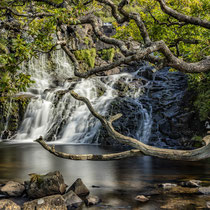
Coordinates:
column 142, row 198
column 6, row 204
column 79, row 188
column 208, row 205
column 204, row 190
column 167, row 186
column 72, row 200
column 92, row 200
column 50, row 202
column 191, row 183
column 43, row 185
column 13, row 189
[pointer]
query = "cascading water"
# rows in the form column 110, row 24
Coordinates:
column 54, row 114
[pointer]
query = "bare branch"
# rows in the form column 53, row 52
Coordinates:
column 137, row 18
column 179, row 64
column 114, row 9
column 91, row 19
column 167, row 23
column 186, row 155
column 183, row 18
column 135, row 57
column 103, row 157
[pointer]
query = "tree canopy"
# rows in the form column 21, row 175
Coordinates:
column 165, row 33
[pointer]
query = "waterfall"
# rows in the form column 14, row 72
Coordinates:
column 54, row 114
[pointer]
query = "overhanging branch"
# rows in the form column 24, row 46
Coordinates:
column 183, row 18
column 93, row 157
column 141, row 148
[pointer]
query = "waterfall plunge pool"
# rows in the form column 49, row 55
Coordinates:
column 119, row 181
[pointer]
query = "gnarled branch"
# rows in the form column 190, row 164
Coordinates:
column 141, row 148
column 187, row 155
column 183, row 18
column 103, row 157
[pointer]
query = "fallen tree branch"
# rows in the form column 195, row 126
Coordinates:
column 103, row 157
column 186, row 155
column 141, row 148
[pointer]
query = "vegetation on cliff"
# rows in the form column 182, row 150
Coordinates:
column 164, row 33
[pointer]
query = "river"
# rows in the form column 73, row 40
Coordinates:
column 118, row 181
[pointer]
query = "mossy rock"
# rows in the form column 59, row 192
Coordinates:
column 12, row 113
column 108, row 54
column 86, row 55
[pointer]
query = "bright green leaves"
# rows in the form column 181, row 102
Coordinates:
column 107, row 54
column 200, row 83
column 88, row 56
column 11, row 83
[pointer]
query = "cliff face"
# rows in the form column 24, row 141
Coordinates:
column 12, row 113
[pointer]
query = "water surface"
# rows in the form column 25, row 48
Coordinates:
column 119, row 181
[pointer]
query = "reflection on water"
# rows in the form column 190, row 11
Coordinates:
column 119, row 181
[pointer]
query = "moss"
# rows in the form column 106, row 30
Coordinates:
column 100, row 92
column 87, row 40
column 197, row 141
column 87, row 55
column 199, row 84
column 108, row 54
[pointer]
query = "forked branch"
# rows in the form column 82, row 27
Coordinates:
column 141, row 148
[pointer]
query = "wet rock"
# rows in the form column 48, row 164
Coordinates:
column 167, row 186
column 13, row 189
column 79, row 188
column 191, row 183
column 142, row 198
column 182, row 190
column 204, row 190
column 50, row 202
column 43, row 185
column 72, row 200
column 6, row 204
column 92, row 200
column 177, row 203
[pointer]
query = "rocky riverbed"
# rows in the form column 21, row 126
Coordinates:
column 119, row 184
column 49, row 191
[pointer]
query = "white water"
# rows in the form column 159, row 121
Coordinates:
column 65, row 119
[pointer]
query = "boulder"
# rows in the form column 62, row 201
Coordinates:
column 208, row 204
column 204, row 190
column 43, row 185
column 167, row 186
column 13, row 189
column 79, row 188
column 47, row 203
column 92, row 200
column 191, row 183
column 6, row 204
column 72, row 200
column 142, row 198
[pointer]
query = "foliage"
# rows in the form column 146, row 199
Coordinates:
column 87, row 55
column 200, row 83
column 14, row 82
column 108, row 54
column 23, row 37
column 161, row 26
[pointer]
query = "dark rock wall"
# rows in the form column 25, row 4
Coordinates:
column 12, row 113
